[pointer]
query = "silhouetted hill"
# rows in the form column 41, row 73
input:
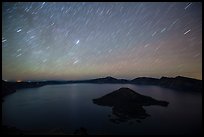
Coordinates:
column 126, row 95
column 127, row 104
column 108, row 80
column 181, row 83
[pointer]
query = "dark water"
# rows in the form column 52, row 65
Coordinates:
column 70, row 107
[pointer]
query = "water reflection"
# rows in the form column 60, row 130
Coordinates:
column 70, row 107
column 127, row 105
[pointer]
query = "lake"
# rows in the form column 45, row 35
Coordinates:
column 70, row 107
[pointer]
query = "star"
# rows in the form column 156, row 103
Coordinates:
column 46, row 38
column 19, row 30
column 77, row 42
column 76, row 61
column 187, row 32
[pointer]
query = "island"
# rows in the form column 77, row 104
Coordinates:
column 127, row 104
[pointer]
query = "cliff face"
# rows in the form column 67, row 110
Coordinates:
column 127, row 104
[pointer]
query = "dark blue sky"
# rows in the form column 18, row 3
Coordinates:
column 87, row 40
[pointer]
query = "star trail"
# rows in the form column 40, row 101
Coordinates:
column 82, row 40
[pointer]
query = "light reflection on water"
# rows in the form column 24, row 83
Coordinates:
column 70, row 107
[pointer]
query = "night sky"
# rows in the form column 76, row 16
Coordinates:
column 74, row 41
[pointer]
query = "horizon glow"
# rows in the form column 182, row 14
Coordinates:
column 85, row 40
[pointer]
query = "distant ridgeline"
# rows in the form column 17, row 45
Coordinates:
column 177, row 83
